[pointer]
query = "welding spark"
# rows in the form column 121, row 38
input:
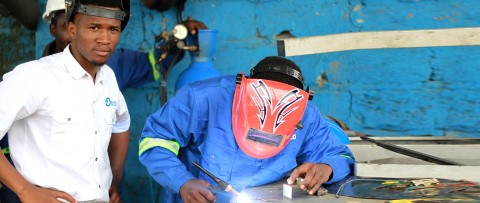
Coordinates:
column 242, row 198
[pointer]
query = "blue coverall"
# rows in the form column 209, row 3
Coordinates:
column 197, row 124
column 134, row 68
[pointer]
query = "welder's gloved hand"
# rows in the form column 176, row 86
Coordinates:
column 196, row 190
column 314, row 175
column 193, row 26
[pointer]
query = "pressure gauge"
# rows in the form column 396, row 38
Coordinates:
column 180, row 31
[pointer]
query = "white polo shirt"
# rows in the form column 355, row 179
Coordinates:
column 59, row 124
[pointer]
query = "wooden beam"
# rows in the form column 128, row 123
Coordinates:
column 379, row 40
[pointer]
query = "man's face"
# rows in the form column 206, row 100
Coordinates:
column 58, row 29
column 93, row 38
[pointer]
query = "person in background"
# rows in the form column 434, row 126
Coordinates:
column 132, row 68
column 246, row 131
column 69, row 124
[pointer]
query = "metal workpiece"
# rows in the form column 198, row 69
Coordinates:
column 288, row 189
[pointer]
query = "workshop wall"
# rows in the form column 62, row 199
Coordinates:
column 394, row 92
column 17, row 44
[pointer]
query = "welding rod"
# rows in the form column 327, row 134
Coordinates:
column 224, row 185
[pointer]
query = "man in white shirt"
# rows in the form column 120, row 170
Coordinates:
column 68, row 122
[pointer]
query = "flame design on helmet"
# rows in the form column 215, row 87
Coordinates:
column 263, row 100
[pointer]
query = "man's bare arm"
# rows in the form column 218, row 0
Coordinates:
column 117, row 151
column 26, row 191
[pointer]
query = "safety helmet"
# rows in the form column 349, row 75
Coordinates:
column 266, row 113
column 52, row 6
column 76, row 6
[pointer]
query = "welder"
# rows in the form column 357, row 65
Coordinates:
column 247, row 131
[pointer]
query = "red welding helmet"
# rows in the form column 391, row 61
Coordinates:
column 265, row 114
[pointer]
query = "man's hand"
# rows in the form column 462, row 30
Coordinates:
column 38, row 194
column 114, row 194
column 196, row 190
column 314, row 175
column 193, row 26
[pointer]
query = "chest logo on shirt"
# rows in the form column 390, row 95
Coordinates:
column 109, row 102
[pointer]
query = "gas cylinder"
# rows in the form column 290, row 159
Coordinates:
column 201, row 66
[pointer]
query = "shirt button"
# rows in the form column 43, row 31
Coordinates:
column 99, row 186
column 95, row 132
column 69, row 119
column 96, row 158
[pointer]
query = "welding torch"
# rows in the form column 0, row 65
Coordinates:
column 221, row 183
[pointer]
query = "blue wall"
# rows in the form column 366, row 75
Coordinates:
column 12, row 35
column 394, row 92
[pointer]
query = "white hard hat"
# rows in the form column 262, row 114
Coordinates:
column 52, row 6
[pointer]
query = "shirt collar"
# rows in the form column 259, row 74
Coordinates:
column 101, row 74
column 76, row 70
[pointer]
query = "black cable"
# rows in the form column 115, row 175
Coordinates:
column 410, row 153
column 180, row 8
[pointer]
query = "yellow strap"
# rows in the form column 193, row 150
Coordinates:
column 151, row 58
column 6, row 150
column 148, row 143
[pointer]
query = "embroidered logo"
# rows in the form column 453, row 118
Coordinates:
column 109, row 102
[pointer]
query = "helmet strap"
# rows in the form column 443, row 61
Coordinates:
column 279, row 69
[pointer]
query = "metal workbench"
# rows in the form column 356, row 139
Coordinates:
column 274, row 193
column 465, row 151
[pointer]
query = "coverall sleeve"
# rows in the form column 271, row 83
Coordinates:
column 164, row 133
column 135, row 68
column 132, row 68
column 321, row 146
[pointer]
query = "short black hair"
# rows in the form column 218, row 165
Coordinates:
column 265, row 69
